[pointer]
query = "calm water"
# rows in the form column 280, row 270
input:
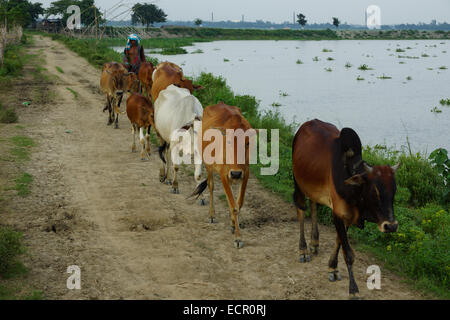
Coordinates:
column 381, row 111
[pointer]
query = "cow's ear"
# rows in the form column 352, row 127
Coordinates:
column 108, row 71
column 198, row 87
column 356, row 180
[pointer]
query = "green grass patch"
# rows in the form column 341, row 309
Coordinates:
column 21, row 147
column 23, row 184
column 59, row 69
column 75, row 94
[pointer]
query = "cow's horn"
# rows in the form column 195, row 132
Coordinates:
column 395, row 168
column 367, row 168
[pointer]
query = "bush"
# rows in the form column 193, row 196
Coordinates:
column 10, row 248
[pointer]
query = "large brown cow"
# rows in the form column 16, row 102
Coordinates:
column 167, row 73
column 114, row 81
column 329, row 170
column 145, row 77
column 222, row 117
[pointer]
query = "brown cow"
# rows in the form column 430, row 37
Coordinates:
column 223, row 117
column 114, row 81
column 140, row 112
column 329, row 170
column 145, row 77
column 168, row 73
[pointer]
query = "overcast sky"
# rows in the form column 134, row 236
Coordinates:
column 351, row 11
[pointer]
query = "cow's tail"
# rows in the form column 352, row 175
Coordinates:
column 199, row 190
column 298, row 196
column 117, row 110
column 161, row 150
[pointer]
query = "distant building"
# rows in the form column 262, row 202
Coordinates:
column 50, row 25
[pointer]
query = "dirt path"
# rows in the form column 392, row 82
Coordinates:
column 97, row 205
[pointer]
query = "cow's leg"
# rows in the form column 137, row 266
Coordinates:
column 212, row 211
column 168, row 172
column 304, row 256
column 242, row 188
column 147, row 138
column 133, row 133
column 333, row 273
column 234, row 211
column 314, row 244
column 348, row 255
column 116, row 123
column 142, row 141
column 109, row 101
column 175, row 168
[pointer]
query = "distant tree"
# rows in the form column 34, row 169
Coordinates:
column 336, row 22
column 147, row 14
column 87, row 8
column 198, row 22
column 301, row 20
column 20, row 12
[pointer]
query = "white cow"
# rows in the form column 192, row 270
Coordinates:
column 177, row 109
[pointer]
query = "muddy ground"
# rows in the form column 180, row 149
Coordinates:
column 95, row 204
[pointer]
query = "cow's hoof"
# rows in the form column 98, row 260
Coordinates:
column 116, row 126
column 162, row 179
column 174, row 191
column 354, row 296
column 304, row 258
column 212, row 220
column 109, row 123
column 233, row 229
column 334, row 275
column 238, row 244
column 202, row 202
column 168, row 182
column 314, row 250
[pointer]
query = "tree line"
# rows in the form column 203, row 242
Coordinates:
column 25, row 13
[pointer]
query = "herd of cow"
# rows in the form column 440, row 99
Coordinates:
column 327, row 163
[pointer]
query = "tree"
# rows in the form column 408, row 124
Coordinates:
column 336, row 22
column 87, row 8
column 301, row 20
column 21, row 12
column 147, row 14
column 198, row 22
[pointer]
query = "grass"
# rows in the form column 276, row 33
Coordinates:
column 443, row 68
column 330, row 59
column 8, row 115
column 364, row 67
column 226, row 60
column 384, row 77
column 23, row 184
column 445, row 102
column 197, row 51
column 75, row 94
column 436, row 110
column 13, row 285
column 59, row 69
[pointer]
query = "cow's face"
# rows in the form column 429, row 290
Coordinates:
column 188, row 84
column 131, row 82
column 243, row 146
column 378, row 189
